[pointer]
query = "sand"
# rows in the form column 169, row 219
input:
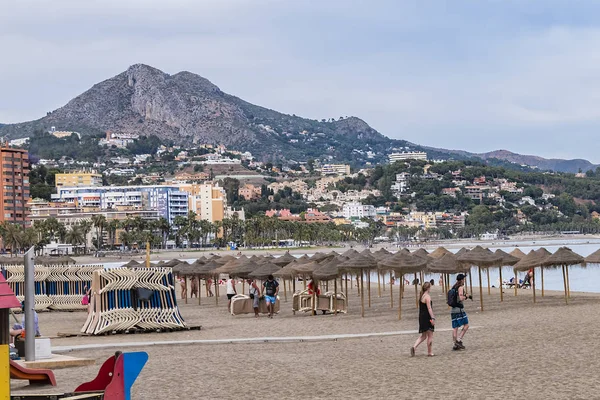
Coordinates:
column 517, row 350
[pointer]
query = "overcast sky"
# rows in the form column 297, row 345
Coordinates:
column 475, row 75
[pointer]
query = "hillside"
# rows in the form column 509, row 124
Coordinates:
column 187, row 108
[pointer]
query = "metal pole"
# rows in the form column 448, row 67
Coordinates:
column 29, row 306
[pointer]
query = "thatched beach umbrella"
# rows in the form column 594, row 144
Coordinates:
column 439, row 252
column 330, row 271
column 359, row 263
column 531, row 261
column 446, row 265
column 593, row 258
column 564, row 257
column 517, row 253
column 404, row 263
column 507, row 259
column 172, row 263
column 287, row 272
column 264, row 271
column 283, row 260
column 381, row 254
column 224, row 259
column 132, row 264
column 482, row 258
column 244, row 269
column 543, row 253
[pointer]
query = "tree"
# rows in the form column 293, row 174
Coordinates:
column 99, row 222
column 86, row 227
column 75, row 236
column 480, row 215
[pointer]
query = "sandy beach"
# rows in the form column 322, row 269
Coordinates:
column 517, row 350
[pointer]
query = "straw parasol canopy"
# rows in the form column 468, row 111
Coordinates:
column 264, row 271
column 231, row 265
column 318, row 257
column 305, row 269
column 461, row 252
column 543, row 253
column 404, row 263
column 132, row 264
column 507, row 259
column 181, row 268
column 381, row 254
column 563, row 256
column 593, row 258
column 224, row 259
column 287, row 272
column 244, row 269
column 359, row 263
column 517, row 253
column 303, row 259
column 330, row 270
column 174, row 262
column 421, row 253
column 439, row 252
column 283, row 260
column 350, row 253
column 531, row 260
column 447, row 264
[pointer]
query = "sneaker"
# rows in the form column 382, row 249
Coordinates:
column 460, row 344
column 456, row 347
column 412, row 351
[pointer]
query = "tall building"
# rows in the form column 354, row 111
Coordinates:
column 358, row 210
column 14, row 173
column 207, row 200
column 78, row 179
column 335, row 169
column 169, row 201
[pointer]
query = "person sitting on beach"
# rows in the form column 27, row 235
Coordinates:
column 310, row 288
column 17, row 329
column 270, row 290
column 231, row 291
column 254, row 293
column 194, row 290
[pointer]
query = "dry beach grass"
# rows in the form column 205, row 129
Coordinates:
column 518, row 351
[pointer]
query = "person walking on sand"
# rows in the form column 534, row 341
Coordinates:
column 183, row 285
column 254, row 293
column 194, row 290
column 209, row 283
column 270, row 290
column 457, row 296
column 426, row 321
column 230, row 292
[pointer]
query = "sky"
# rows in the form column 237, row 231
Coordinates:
column 520, row 75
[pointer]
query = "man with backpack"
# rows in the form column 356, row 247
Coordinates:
column 456, row 296
column 271, row 289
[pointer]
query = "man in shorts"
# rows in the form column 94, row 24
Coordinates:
column 458, row 314
column 270, row 290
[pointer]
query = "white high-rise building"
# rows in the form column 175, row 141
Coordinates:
column 408, row 155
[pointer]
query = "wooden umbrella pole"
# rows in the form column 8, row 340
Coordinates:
column 369, row 286
column 284, row 290
column 501, row 285
column 568, row 282
column 487, row 270
column 304, row 281
column 199, row 290
column 400, row 296
column 471, row 281
column 391, row 291
column 565, row 285
column 314, row 296
column 293, row 285
column 346, row 284
column 416, row 292
column 362, row 296
column 243, row 286
column 185, row 283
column 383, row 276
column 326, row 286
column 480, row 289
column 516, row 283
column 378, row 284
column 359, row 283
column 542, row 275
column 422, row 277
column 335, row 296
column 533, row 284
column 216, row 290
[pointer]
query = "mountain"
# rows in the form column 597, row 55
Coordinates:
column 548, row 164
column 186, row 108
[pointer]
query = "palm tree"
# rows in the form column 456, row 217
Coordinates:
column 99, row 222
column 86, row 227
column 12, row 236
column 75, row 236
column 111, row 228
column 162, row 224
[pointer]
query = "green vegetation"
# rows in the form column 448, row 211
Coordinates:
column 43, row 145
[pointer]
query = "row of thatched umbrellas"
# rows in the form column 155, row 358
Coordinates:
column 333, row 266
column 39, row 260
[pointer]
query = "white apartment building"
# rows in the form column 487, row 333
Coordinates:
column 408, row 155
column 335, row 169
column 401, row 185
column 358, row 210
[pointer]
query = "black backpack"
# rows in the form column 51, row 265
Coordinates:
column 453, row 298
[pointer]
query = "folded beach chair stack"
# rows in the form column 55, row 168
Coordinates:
column 15, row 276
column 303, row 301
column 126, row 299
column 66, row 284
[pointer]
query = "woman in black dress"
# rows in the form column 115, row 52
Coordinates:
column 426, row 320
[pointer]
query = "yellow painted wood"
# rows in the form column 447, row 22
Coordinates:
column 4, row 373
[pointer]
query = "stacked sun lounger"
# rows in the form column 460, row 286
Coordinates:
column 126, row 299
column 327, row 302
column 57, row 287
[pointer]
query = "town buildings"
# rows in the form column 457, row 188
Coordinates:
column 207, row 200
column 335, row 169
column 250, row 192
column 78, row 179
column 358, row 211
column 14, row 173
